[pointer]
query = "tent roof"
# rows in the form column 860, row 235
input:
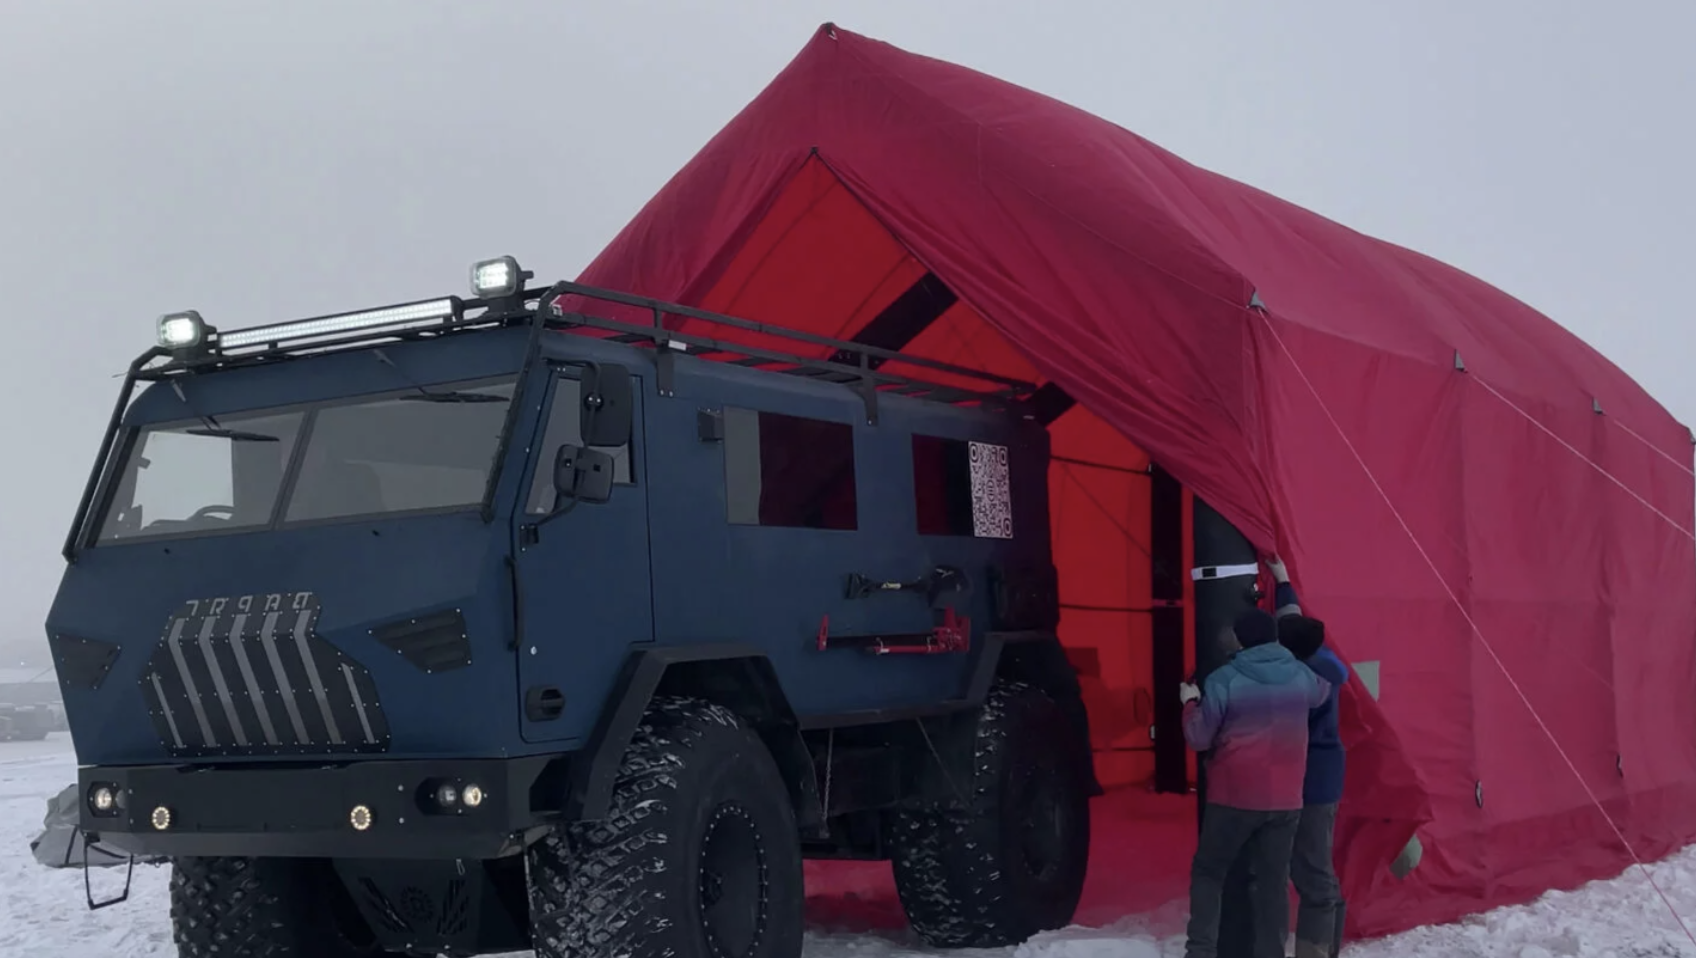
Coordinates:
column 1133, row 238
column 1503, row 555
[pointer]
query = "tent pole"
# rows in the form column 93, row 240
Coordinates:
column 1219, row 599
column 1166, row 629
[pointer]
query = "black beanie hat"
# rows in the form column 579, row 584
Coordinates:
column 1255, row 627
column 1301, row 634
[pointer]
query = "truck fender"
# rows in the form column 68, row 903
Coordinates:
column 735, row 676
column 1036, row 658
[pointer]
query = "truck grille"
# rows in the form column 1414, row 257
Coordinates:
column 249, row 675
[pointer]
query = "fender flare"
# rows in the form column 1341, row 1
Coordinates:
column 1039, row 658
column 757, row 697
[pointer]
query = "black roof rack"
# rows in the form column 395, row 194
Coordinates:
column 855, row 365
column 848, row 363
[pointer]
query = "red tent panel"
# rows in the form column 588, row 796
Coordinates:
column 1101, row 518
column 1512, row 567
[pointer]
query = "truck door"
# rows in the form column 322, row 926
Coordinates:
column 585, row 592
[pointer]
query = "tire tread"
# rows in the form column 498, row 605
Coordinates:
column 947, row 866
column 592, row 887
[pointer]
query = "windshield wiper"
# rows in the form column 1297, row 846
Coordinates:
column 212, row 428
column 451, row 396
column 223, row 432
column 425, row 395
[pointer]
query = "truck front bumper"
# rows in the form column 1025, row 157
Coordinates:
column 364, row 809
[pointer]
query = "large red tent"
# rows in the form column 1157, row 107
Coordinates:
column 1493, row 520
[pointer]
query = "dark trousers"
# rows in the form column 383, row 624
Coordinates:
column 1314, row 875
column 1264, row 841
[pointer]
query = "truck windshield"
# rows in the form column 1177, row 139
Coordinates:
column 405, row 452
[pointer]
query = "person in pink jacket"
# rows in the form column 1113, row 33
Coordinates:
column 1252, row 715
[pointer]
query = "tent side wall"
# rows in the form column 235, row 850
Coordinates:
column 1540, row 547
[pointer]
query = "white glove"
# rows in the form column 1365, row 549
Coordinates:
column 1188, row 693
column 1275, row 565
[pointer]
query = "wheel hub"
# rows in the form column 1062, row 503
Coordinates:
column 1045, row 825
column 732, row 883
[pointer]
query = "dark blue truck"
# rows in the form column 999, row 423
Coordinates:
column 472, row 625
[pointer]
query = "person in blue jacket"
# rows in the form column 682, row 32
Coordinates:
column 1312, row 869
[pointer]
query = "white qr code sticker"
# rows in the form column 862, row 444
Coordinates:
column 992, row 496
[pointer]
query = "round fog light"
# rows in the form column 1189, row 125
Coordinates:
column 161, row 818
column 360, row 818
column 104, row 799
column 446, row 796
column 473, row 796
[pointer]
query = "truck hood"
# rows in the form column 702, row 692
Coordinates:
column 334, row 640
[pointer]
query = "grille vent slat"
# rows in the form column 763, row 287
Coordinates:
column 249, row 675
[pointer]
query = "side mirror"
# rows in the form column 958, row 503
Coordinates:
column 605, row 416
column 580, row 474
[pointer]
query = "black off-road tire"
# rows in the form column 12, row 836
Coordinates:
column 265, row 908
column 698, row 857
column 1013, row 864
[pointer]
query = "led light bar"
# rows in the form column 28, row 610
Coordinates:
column 408, row 316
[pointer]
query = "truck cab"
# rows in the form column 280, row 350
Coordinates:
column 423, row 624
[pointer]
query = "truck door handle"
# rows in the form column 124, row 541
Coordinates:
column 933, row 585
column 543, row 703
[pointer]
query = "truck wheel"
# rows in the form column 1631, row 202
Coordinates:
column 1011, row 864
column 698, row 856
column 265, row 908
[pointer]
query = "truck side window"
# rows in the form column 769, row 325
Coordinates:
column 961, row 488
column 564, row 427
column 782, row 470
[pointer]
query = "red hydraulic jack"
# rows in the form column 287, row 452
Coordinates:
column 953, row 635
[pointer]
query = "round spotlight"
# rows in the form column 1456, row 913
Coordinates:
column 472, row 796
column 446, row 795
column 103, row 799
column 161, row 818
column 360, row 818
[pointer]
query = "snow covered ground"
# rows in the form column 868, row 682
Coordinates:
column 44, row 914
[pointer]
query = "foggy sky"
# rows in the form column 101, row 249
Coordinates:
column 260, row 162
